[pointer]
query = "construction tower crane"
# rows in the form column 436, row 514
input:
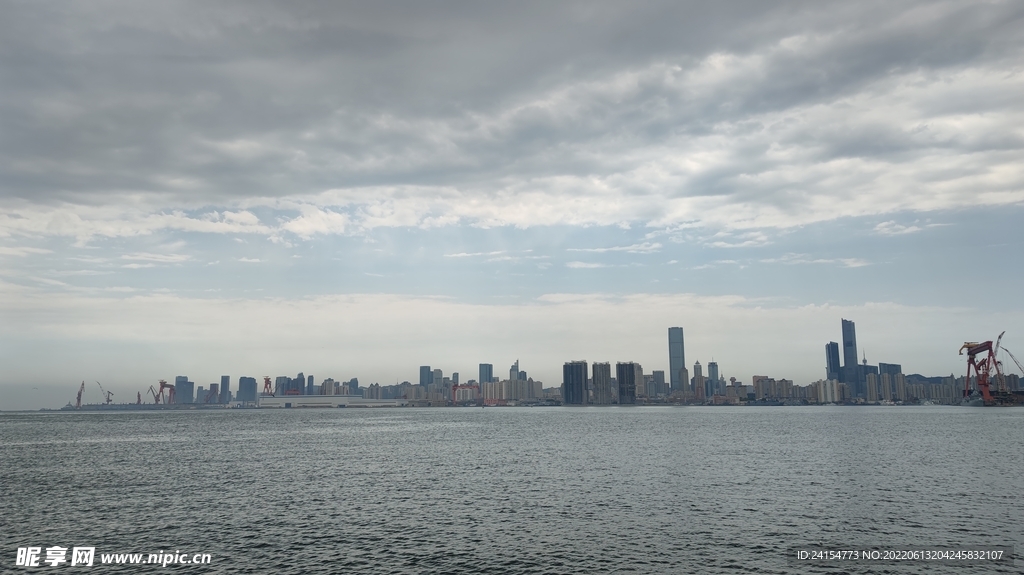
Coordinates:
column 106, row 394
column 78, row 398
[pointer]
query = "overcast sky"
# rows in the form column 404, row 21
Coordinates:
column 357, row 190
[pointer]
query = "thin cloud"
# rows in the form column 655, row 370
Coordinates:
column 643, row 248
column 585, row 265
column 157, row 258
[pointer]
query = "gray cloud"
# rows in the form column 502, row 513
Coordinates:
column 743, row 114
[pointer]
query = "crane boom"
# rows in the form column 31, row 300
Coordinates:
column 1014, row 358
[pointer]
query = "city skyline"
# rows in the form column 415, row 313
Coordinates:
column 359, row 191
column 860, row 382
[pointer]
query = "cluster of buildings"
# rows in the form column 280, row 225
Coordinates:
column 846, row 381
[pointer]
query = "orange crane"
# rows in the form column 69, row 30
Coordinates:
column 982, row 369
column 107, row 394
column 267, row 390
column 78, row 398
column 170, row 395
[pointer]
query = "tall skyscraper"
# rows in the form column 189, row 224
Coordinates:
column 225, row 389
column 700, row 389
column 676, row 357
column 486, row 373
column 659, row 383
column 310, row 385
column 574, row 383
column 426, row 375
column 602, row 381
column 852, row 374
column 625, row 373
column 713, row 373
column 183, row 389
column 246, row 389
column 455, row 378
column 832, row 360
column 513, row 372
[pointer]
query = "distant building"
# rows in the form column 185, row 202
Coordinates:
column 713, row 378
column 426, row 375
column 700, row 389
column 625, row 374
column 246, row 389
column 889, row 368
column 513, row 372
column 676, row 358
column 184, row 390
column 455, row 378
column 486, row 373
column 659, row 382
column 225, row 389
column 832, row 366
column 852, row 374
column 574, row 383
column 310, row 385
column 602, row 382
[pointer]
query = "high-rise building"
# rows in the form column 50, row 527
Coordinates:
column 625, row 373
column 889, row 368
column 455, row 378
column 659, row 383
column 225, row 389
column 700, row 389
column 713, row 373
column 212, row 396
column 574, row 383
column 310, row 385
column 184, row 389
column 246, row 389
column 832, row 360
column 513, row 372
column 426, row 375
column 602, row 382
column 852, row 375
column 849, row 343
column 486, row 373
column 676, row 358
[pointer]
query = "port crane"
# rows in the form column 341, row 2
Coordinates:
column 108, row 395
column 156, row 398
column 983, row 367
column 139, row 400
column 159, row 395
column 212, row 394
column 78, row 398
column 267, row 390
column 1014, row 358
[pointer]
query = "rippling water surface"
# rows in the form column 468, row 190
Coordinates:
column 514, row 490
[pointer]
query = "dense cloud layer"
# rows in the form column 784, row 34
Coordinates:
column 123, row 118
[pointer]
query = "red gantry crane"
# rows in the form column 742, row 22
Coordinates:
column 984, row 367
column 267, row 390
column 160, row 394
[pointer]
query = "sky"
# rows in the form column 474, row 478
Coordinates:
column 355, row 190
